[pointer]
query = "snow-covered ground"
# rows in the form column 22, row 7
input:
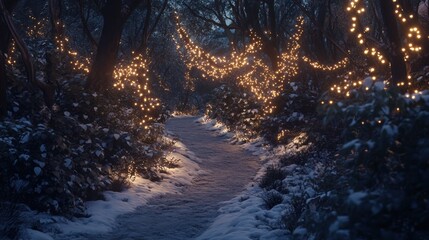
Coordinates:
column 246, row 216
column 243, row 216
column 103, row 213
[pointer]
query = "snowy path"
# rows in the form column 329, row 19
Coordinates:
column 185, row 216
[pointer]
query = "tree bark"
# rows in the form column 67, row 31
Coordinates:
column 3, row 85
column 4, row 45
column 55, row 18
column 5, row 38
column 145, row 35
column 101, row 75
column 85, row 26
column 47, row 90
column 252, row 9
column 320, row 41
column 114, row 14
column 398, row 68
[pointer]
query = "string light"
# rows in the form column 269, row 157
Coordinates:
column 356, row 8
column 11, row 56
column 37, row 28
column 247, row 67
column 339, row 65
column 135, row 75
column 63, row 46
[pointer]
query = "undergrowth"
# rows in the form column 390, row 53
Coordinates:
column 57, row 158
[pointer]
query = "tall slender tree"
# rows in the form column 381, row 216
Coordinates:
column 115, row 13
column 5, row 38
column 398, row 67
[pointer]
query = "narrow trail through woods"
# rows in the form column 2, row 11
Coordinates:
column 185, row 216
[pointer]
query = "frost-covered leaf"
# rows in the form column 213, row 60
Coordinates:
column 67, row 163
column 379, row 86
column 37, row 170
column 98, row 153
column 357, row 197
column 24, row 157
column 389, row 130
column 41, row 164
column 352, row 144
column 116, row 136
column 67, row 114
column 25, row 138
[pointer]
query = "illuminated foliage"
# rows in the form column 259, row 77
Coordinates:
column 248, row 66
column 135, row 75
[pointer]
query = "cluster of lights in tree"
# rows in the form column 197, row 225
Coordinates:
column 78, row 63
column 248, row 67
column 215, row 67
column 63, row 46
column 135, row 75
column 11, row 60
column 38, row 28
column 357, row 8
column 413, row 32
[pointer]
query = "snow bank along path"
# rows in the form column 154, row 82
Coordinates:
column 228, row 168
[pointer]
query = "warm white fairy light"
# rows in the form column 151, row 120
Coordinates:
column 135, row 75
column 37, row 28
column 412, row 46
column 11, row 58
column 248, row 68
column 339, row 65
column 78, row 63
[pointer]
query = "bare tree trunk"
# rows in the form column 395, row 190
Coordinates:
column 320, row 41
column 115, row 13
column 55, row 17
column 3, row 86
column 5, row 38
column 85, row 27
column 146, row 27
column 252, row 9
column 48, row 91
column 101, row 75
column 398, row 68
column 4, row 45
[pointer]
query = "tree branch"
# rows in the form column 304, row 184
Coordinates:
column 193, row 12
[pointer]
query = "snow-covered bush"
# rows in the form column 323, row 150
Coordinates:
column 237, row 109
column 386, row 132
column 295, row 109
column 57, row 159
column 9, row 220
column 272, row 198
column 386, row 162
column 273, row 178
